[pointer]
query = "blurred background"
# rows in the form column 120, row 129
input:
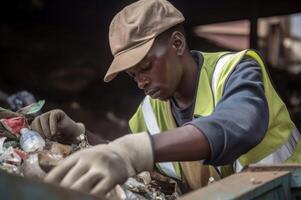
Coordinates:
column 58, row 50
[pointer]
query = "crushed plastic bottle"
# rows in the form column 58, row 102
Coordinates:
column 31, row 141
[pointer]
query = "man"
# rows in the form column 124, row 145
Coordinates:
column 207, row 108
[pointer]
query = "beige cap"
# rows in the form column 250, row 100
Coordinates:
column 133, row 31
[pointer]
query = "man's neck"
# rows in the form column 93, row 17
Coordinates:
column 185, row 93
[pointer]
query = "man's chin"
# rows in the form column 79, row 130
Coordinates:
column 163, row 98
column 160, row 96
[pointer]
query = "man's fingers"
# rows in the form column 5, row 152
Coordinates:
column 75, row 173
column 44, row 120
column 87, row 181
column 36, row 126
column 103, row 187
column 58, row 173
column 53, row 121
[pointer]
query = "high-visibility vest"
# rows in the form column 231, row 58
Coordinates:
column 281, row 143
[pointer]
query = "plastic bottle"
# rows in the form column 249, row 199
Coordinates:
column 30, row 140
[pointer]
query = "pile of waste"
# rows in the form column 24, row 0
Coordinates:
column 150, row 185
column 23, row 151
column 26, row 153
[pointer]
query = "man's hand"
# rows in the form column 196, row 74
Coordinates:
column 57, row 124
column 98, row 169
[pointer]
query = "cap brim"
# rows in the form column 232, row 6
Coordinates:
column 127, row 59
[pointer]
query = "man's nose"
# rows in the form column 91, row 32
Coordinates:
column 142, row 81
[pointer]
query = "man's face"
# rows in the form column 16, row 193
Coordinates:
column 159, row 73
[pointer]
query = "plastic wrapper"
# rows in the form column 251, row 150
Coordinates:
column 31, row 168
column 10, row 127
column 11, row 157
column 13, row 169
column 52, row 154
column 2, row 140
column 144, row 177
column 11, row 143
column 58, row 148
column 133, row 196
column 150, row 186
column 14, row 125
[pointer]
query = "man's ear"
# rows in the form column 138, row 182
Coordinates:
column 178, row 42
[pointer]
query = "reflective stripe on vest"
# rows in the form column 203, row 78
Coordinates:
column 218, row 69
column 153, row 128
column 278, row 156
column 216, row 73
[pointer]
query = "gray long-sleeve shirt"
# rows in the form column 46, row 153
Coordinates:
column 240, row 118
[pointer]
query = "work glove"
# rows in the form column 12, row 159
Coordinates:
column 56, row 124
column 98, row 169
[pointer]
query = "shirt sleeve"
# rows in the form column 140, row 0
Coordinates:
column 240, row 119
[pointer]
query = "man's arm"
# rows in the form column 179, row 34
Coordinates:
column 186, row 143
column 237, row 124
